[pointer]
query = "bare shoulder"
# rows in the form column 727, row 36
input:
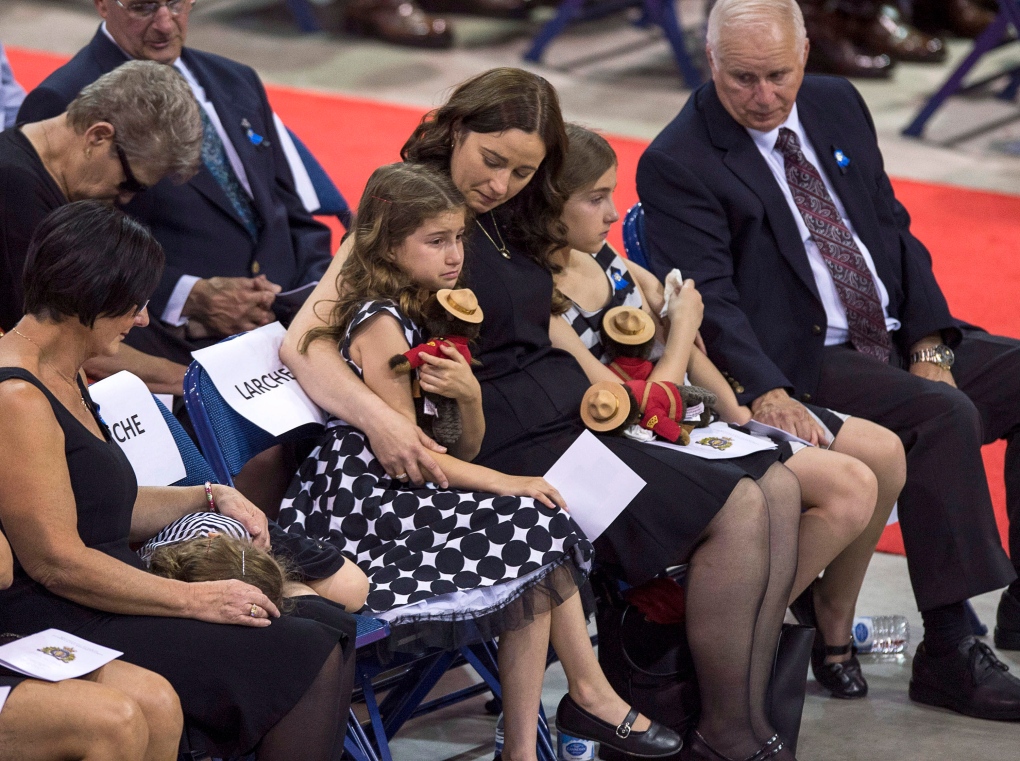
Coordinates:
column 24, row 408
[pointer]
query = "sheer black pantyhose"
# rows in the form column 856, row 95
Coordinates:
column 314, row 729
column 726, row 583
column 782, row 495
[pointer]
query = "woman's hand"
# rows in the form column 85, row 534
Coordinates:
column 233, row 504
column 451, row 377
column 686, row 306
column 230, row 602
column 534, row 487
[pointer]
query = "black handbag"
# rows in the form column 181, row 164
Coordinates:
column 650, row 666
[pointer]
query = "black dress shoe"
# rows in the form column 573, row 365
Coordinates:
column 844, row 680
column 833, row 52
column 970, row 680
column 655, row 742
column 400, row 22
column 887, row 32
column 1007, row 623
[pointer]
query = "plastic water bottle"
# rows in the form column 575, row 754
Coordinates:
column 499, row 735
column 574, row 748
column 881, row 634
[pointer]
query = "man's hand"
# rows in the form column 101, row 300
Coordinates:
column 777, row 409
column 228, row 305
column 404, row 450
column 932, row 372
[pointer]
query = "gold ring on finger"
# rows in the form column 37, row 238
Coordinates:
column 254, row 610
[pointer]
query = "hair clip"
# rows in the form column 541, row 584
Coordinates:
column 384, row 200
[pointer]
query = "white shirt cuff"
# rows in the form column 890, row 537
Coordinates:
column 172, row 314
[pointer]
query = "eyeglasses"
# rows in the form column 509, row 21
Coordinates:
column 145, row 10
column 131, row 183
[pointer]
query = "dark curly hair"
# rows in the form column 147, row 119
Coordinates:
column 495, row 101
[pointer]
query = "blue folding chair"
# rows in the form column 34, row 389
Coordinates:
column 634, row 235
column 369, row 630
column 992, row 38
column 661, row 13
column 229, row 441
column 331, row 201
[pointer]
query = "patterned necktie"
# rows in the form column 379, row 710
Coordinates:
column 214, row 156
column 854, row 283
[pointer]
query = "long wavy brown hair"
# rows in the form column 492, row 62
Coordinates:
column 495, row 101
column 398, row 199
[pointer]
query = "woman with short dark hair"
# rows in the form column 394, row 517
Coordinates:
column 70, row 505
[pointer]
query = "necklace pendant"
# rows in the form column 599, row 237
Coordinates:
column 505, row 253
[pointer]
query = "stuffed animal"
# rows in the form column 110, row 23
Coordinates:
column 628, row 334
column 656, row 406
column 452, row 317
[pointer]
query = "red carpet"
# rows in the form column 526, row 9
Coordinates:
column 972, row 235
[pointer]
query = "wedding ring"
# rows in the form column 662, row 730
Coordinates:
column 401, row 476
column 254, row 610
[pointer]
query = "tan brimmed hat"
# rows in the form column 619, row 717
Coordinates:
column 605, row 406
column 461, row 303
column 628, row 325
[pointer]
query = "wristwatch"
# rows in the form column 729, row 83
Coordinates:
column 940, row 355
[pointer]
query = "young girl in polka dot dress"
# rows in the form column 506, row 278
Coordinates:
column 447, row 567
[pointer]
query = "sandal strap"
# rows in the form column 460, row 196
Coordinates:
column 623, row 731
column 846, row 649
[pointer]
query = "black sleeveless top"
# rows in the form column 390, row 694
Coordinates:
column 102, row 480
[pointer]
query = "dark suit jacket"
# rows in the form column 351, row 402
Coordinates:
column 196, row 224
column 713, row 209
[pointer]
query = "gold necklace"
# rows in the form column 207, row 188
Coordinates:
column 501, row 246
column 69, row 381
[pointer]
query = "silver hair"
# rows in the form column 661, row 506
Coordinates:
column 732, row 14
column 153, row 112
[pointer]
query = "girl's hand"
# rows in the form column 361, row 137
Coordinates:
column 230, row 602
column 686, row 306
column 534, row 487
column 451, row 377
column 233, row 504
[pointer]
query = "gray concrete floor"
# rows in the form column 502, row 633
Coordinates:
column 633, row 94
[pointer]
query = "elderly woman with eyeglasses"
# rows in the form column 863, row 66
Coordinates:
column 123, row 133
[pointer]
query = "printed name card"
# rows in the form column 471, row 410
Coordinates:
column 250, row 377
column 54, row 655
column 596, row 484
column 137, row 425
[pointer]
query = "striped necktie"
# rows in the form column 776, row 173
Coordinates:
column 214, row 156
column 854, row 283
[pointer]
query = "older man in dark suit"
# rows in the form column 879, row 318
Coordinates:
column 769, row 190
column 236, row 234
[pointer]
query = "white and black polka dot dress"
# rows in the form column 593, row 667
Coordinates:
column 446, row 567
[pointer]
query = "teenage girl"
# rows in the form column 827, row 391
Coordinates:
column 849, row 482
column 493, row 554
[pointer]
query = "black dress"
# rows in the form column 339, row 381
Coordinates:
column 531, row 395
column 27, row 194
column 446, row 567
column 235, row 682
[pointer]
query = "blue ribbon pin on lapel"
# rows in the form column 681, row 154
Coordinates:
column 841, row 159
column 253, row 137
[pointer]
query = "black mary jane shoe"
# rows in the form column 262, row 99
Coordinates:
column 844, row 680
column 657, row 741
column 698, row 749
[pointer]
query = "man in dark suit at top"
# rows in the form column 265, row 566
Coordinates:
column 236, row 234
column 768, row 190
